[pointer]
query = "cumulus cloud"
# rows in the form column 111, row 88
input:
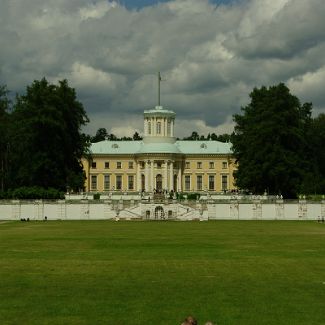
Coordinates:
column 211, row 56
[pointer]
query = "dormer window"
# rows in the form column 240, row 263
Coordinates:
column 203, row 146
column 114, row 145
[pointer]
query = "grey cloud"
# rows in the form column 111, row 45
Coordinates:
column 210, row 56
column 294, row 29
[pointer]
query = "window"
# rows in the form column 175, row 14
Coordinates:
column 199, row 182
column 187, row 165
column 149, row 127
column 158, row 164
column 187, row 182
column 211, row 164
column 93, row 182
column 118, row 182
column 224, row 182
column 168, row 127
column 224, row 164
column 106, row 182
column 93, row 164
column 158, row 127
column 211, row 182
column 118, row 165
column 106, row 164
column 142, row 164
column 130, row 164
column 199, row 165
column 131, row 182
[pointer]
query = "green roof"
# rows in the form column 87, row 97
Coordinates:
column 179, row 147
column 159, row 110
column 116, row 147
column 204, row 147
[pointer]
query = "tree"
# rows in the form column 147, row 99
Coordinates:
column 101, row 135
column 269, row 143
column 136, row 136
column 314, row 180
column 4, row 127
column 318, row 141
column 47, row 142
column 193, row 136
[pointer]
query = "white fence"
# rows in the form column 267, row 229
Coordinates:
column 137, row 209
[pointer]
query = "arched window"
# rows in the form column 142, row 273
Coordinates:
column 168, row 127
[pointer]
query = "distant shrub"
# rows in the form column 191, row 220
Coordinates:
column 3, row 195
column 96, row 196
column 35, row 193
column 180, row 196
column 193, row 196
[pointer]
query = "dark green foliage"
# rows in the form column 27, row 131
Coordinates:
column 193, row 196
column 46, row 142
column 32, row 193
column 102, row 135
column 96, row 196
column 222, row 137
column 4, row 138
column 269, row 142
column 195, row 137
column 136, row 136
column 314, row 180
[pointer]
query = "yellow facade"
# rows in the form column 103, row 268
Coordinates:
column 118, row 173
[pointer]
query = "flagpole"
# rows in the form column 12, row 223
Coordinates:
column 159, row 79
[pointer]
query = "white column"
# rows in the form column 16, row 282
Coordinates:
column 138, row 177
column 154, row 126
column 179, row 181
column 152, row 177
column 171, row 176
column 165, row 126
column 171, row 127
column 145, row 127
column 165, row 186
column 146, row 175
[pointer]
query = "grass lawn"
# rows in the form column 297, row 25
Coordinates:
column 106, row 272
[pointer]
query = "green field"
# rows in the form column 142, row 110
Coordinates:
column 105, row 272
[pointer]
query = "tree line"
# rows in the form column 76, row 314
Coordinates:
column 102, row 135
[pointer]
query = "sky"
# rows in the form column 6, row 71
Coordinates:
column 211, row 54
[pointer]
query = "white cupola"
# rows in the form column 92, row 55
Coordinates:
column 159, row 124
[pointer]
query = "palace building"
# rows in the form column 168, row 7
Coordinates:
column 159, row 162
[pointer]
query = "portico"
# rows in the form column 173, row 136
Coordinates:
column 158, row 174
